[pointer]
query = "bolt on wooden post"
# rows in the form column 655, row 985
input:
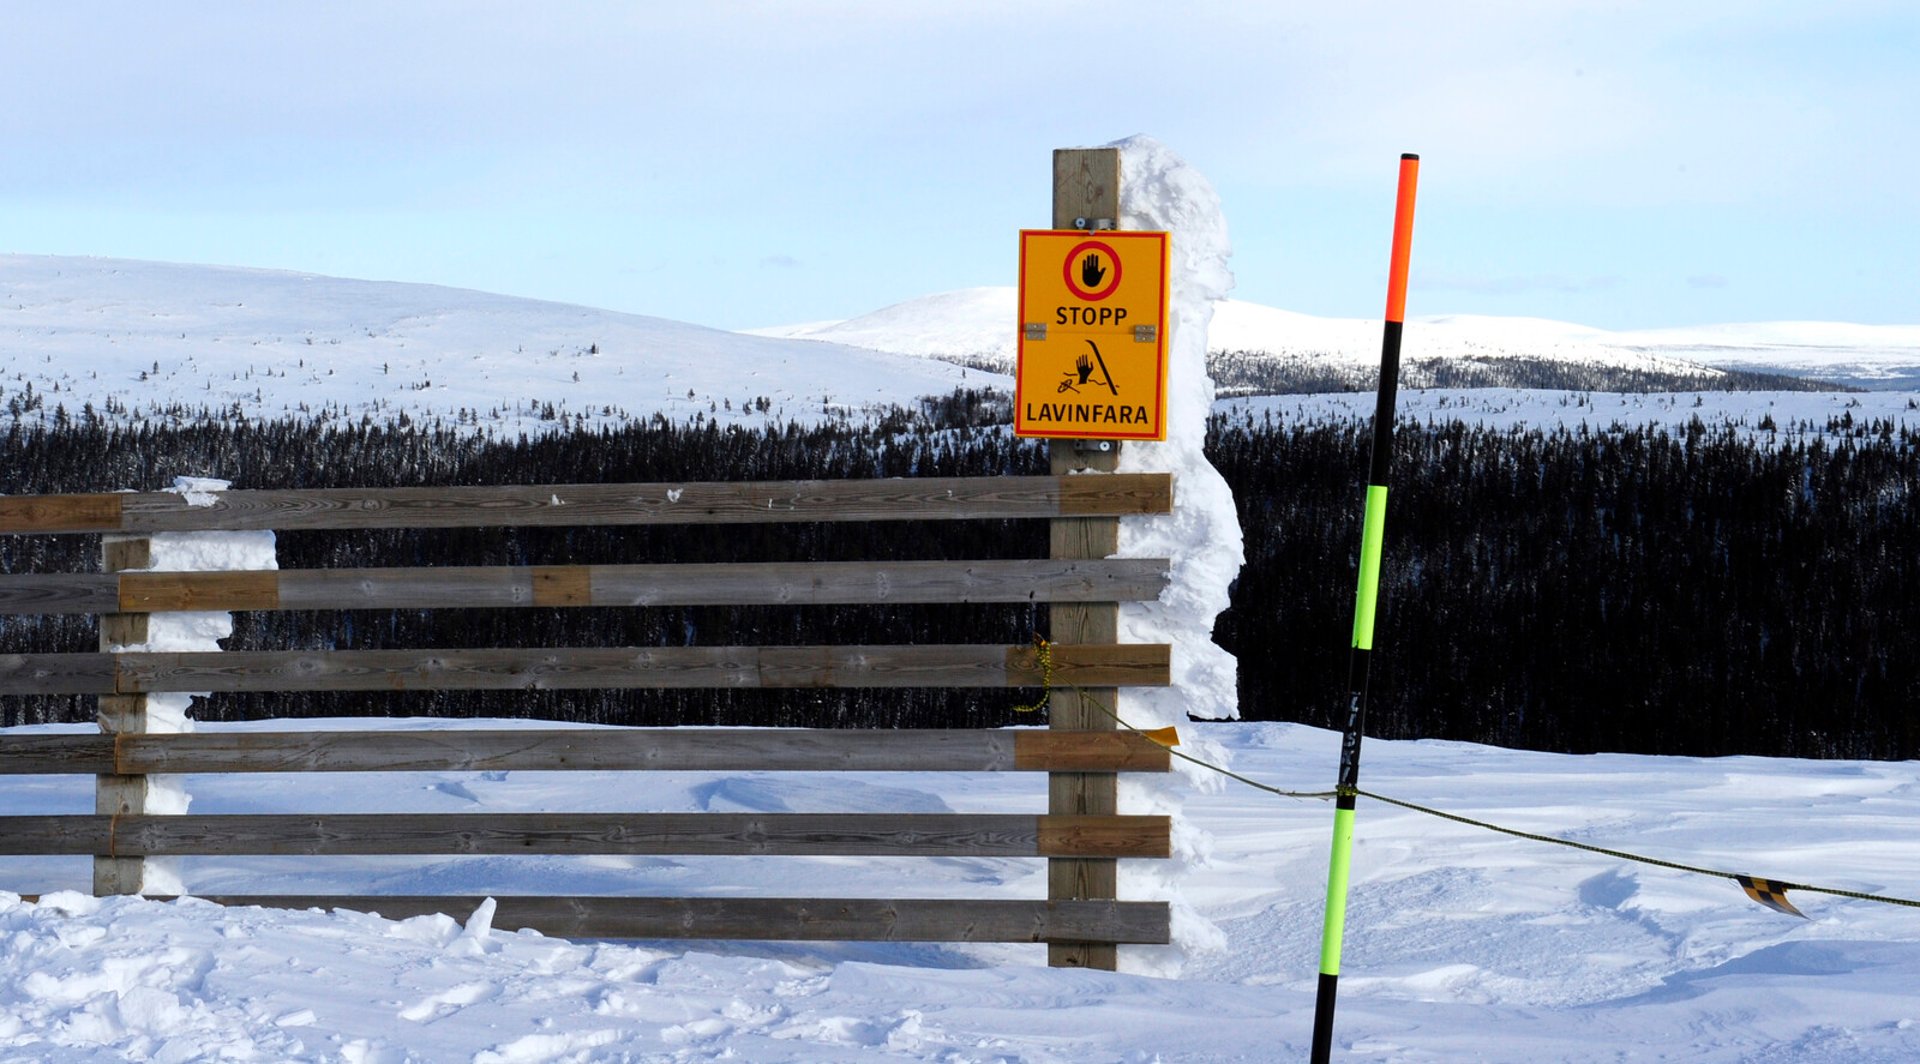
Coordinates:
column 1086, row 185
column 121, row 715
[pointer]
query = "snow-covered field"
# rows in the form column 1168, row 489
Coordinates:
column 1462, row 944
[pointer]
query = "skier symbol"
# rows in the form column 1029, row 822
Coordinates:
column 1083, row 366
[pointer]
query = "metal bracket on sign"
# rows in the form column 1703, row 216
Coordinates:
column 1093, row 225
column 1145, row 334
column 1035, row 330
column 1092, row 446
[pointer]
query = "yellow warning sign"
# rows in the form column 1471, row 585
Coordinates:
column 1093, row 335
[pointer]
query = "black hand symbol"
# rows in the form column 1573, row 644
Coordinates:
column 1091, row 271
column 1085, row 366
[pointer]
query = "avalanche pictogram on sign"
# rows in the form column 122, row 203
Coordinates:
column 1093, row 335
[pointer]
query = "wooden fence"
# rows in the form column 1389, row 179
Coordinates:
column 1080, row 833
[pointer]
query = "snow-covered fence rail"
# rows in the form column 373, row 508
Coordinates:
column 1085, row 921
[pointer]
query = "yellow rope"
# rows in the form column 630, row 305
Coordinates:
column 1043, row 650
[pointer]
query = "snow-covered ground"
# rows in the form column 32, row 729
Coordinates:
column 1462, row 944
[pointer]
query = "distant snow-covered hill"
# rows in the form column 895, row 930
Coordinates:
column 129, row 338
column 975, row 327
column 121, row 335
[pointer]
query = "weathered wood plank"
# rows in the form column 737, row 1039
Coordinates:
column 1090, row 496
column 587, row 749
column 56, row 674
column 50, row 593
column 877, row 583
column 772, row 919
column 563, row 585
column 749, row 583
column 920, row 498
column 450, row 587
column 1089, row 751
column 762, row 834
column 580, row 668
column 61, row 513
column 151, row 592
column 56, row 755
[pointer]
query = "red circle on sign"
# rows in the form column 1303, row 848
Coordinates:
column 1097, row 294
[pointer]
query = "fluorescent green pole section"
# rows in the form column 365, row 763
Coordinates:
column 1373, row 533
column 1365, row 609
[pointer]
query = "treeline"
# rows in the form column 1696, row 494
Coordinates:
column 1682, row 592
column 1241, row 373
column 943, row 438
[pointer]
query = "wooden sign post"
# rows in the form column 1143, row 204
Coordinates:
column 1086, row 185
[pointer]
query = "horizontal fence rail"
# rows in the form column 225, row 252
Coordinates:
column 774, row 919
column 701, row 584
column 756, row 834
column 582, row 668
column 786, row 501
column 587, row 749
column 1081, row 836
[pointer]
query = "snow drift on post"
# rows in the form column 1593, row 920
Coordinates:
column 189, row 630
column 1202, row 538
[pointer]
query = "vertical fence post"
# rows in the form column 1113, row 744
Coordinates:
column 1086, row 185
column 121, row 715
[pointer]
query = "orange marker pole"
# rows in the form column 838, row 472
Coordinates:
column 1366, row 602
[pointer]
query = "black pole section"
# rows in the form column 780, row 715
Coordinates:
column 1366, row 602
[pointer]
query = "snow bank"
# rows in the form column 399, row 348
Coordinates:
column 189, row 631
column 1202, row 537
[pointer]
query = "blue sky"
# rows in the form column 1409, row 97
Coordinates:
column 736, row 164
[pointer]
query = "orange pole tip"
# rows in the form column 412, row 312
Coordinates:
column 1402, row 238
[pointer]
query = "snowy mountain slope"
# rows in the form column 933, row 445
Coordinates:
column 968, row 325
column 1879, row 357
column 124, row 334
column 974, row 326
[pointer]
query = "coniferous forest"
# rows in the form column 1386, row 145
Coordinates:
column 1691, row 592
column 1695, row 591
